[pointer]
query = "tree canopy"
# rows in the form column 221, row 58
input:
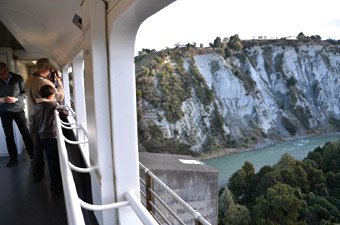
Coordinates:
column 291, row 192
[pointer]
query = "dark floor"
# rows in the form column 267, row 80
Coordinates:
column 23, row 202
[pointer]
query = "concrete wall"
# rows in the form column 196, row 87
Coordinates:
column 197, row 184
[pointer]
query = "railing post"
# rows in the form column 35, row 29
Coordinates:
column 197, row 222
column 149, row 196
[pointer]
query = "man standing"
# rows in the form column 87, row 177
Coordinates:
column 12, row 95
column 33, row 85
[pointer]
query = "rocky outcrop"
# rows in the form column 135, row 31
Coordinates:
column 197, row 99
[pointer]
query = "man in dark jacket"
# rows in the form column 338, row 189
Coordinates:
column 12, row 95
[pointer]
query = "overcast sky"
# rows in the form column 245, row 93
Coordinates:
column 201, row 21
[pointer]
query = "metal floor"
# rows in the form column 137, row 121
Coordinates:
column 23, row 202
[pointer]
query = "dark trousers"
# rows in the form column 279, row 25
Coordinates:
column 7, row 124
column 39, row 162
column 52, row 155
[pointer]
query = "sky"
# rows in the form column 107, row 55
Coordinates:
column 201, row 21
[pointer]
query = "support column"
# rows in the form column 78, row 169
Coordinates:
column 124, row 19
column 78, row 81
column 98, row 105
column 66, row 84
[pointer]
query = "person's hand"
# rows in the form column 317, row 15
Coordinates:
column 10, row 99
column 58, row 75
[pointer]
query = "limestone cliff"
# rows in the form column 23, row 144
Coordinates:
column 199, row 99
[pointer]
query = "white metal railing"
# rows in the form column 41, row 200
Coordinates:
column 79, row 131
column 72, row 201
column 199, row 219
column 73, row 209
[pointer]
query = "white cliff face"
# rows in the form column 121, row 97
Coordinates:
column 272, row 91
column 316, row 71
column 225, row 85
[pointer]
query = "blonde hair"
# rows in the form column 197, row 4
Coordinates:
column 43, row 63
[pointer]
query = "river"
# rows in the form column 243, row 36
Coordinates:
column 297, row 148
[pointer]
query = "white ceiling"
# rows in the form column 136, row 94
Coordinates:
column 43, row 27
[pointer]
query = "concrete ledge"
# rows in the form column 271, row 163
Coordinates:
column 195, row 182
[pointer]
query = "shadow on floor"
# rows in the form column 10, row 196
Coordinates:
column 23, row 202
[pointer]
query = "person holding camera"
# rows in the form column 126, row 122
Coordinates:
column 12, row 95
column 33, row 85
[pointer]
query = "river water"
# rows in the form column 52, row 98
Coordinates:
column 297, row 148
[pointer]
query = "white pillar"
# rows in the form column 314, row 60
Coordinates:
column 124, row 20
column 66, row 84
column 79, row 91
column 79, row 101
column 97, row 105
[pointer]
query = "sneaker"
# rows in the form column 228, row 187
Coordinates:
column 11, row 162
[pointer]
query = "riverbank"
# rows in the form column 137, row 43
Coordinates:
column 265, row 143
column 229, row 151
column 269, row 155
column 217, row 153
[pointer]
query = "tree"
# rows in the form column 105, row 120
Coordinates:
column 227, row 52
column 241, row 182
column 237, row 215
column 316, row 37
column 217, row 43
column 230, row 213
column 319, row 209
column 292, row 173
column 333, row 180
column 235, row 43
column 315, row 176
column 224, row 202
column 286, row 161
column 301, row 37
column 265, row 179
column 279, row 205
column 331, row 157
column 316, row 157
column 147, row 51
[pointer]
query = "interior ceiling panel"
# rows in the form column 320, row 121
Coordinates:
column 43, row 26
column 7, row 40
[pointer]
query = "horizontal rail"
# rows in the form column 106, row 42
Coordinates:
column 69, row 108
column 140, row 210
column 82, row 170
column 78, row 126
column 75, row 142
column 142, row 182
column 92, row 207
column 166, row 207
column 73, row 208
column 70, row 127
column 143, row 194
column 84, row 130
column 160, row 213
column 66, row 123
column 193, row 212
column 72, row 200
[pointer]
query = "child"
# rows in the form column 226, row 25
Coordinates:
column 45, row 125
